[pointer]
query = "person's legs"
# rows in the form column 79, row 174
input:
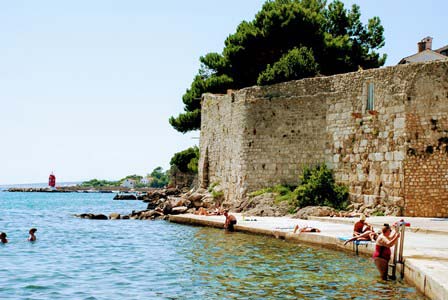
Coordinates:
column 382, row 265
column 296, row 228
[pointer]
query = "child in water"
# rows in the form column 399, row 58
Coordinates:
column 32, row 237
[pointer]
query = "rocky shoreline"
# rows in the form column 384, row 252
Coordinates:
column 161, row 204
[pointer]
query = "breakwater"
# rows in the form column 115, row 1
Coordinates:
column 77, row 189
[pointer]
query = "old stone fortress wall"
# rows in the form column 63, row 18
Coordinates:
column 384, row 132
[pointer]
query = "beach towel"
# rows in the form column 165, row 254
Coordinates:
column 343, row 238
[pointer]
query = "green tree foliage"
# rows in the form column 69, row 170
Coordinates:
column 99, row 183
column 159, row 178
column 297, row 63
column 135, row 177
column 288, row 39
column 186, row 160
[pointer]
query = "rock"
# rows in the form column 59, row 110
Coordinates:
column 152, row 205
column 180, row 202
column 179, row 210
column 316, row 211
column 195, row 197
column 201, row 191
column 114, row 216
column 167, row 207
column 208, row 201
column 100, row 217
column 172, row 191
column 145, row 215
column 92, row 216
column 153, row 196
column 263, row 205
column 197, row 204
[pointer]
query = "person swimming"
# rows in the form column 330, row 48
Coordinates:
column 32, row 237
column 3, row 238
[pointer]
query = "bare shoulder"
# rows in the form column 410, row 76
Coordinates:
column 382, row 240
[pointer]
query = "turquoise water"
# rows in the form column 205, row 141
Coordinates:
column 129, row 259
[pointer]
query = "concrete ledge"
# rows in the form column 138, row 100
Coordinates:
column 414, row 228
column 424, row 273
column 417, row 274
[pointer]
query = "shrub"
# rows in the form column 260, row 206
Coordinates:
column 317, row 187
column 212, row 186
column 217, row 194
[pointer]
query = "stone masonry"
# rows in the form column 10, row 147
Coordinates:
column 392, row 155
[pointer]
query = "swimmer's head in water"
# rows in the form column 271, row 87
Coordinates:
column 33, row 230
column 3, row 235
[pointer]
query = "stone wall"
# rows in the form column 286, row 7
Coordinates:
column 179, row 179
column 262, row 136
column 366, row 147
column 221, row 141
column 426, row 165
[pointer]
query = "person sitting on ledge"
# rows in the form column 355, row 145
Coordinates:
column 305, row 229
column 3, row 238
column 32, row 237
column 230, row 222
column 362, row 231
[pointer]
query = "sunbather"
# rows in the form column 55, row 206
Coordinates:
column 218, row 211
column 305, row 229
column 202, row 212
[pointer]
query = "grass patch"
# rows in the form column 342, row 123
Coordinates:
column 212, row 186
column 217, row 195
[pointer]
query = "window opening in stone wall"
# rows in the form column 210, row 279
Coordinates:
column 370, row 97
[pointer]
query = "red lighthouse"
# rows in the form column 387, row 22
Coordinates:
column 52, row 180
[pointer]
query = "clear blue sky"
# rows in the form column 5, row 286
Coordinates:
column 87, row 87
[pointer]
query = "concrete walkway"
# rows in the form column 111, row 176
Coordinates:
column 425, row 246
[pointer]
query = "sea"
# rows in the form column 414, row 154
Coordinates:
column 132, row 259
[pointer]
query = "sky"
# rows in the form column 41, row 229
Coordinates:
column 87, row 87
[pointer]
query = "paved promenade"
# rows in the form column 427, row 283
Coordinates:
column 425, row 246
